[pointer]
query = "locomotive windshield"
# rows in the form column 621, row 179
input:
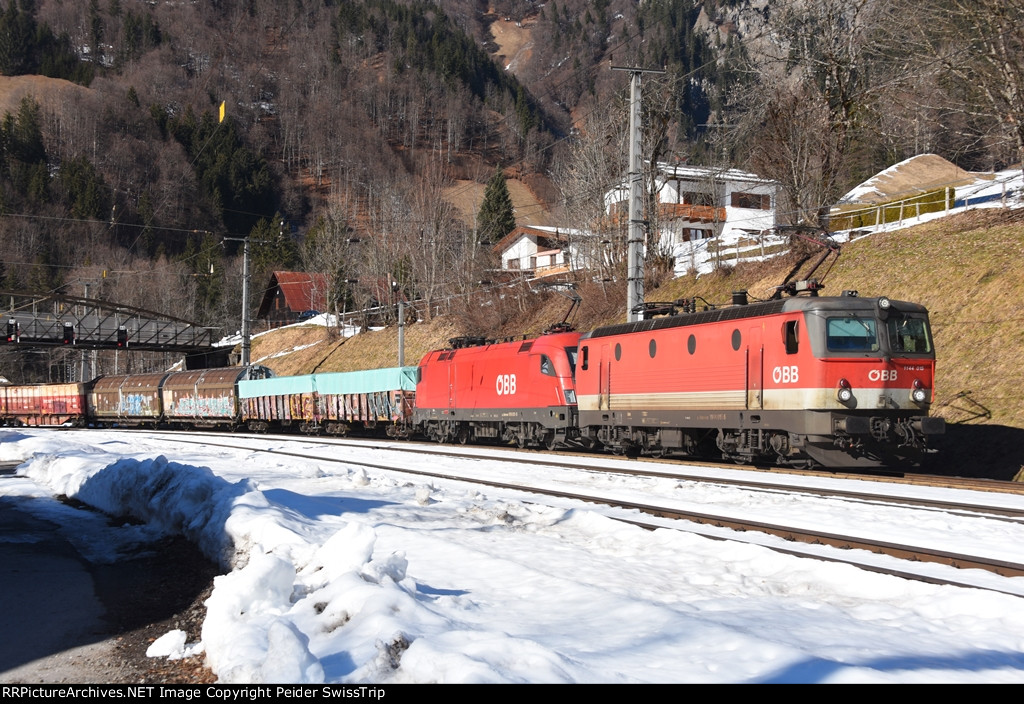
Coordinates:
column 908, row 334
column 852, row 334
column 902, row 334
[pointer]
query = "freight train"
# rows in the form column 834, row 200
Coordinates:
column 840, row 382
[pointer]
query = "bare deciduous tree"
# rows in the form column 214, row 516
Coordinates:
column 810, row 95
column 980, row 45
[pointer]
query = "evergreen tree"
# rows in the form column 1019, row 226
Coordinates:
column 496, row 218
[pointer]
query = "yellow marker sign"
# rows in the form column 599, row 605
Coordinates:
column 221, row 111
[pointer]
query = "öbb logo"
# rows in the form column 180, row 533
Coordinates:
column 786, row 375
column 505, row 384
column 882, row 375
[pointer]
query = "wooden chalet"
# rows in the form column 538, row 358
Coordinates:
column 292, row 295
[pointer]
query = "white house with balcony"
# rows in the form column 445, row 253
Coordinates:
column 539, row 251
column 697, row 204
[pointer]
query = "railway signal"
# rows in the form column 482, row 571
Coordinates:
column 69, row 334
column 13, row 331
column 122, row 337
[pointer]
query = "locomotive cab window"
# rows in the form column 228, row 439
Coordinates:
column 571, row 352
column 546, row 367
column 852, row 334
column 908, row 335
column 791, row 334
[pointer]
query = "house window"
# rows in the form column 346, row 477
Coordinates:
column 695, row 233
column 696, row 198
column 752, row 201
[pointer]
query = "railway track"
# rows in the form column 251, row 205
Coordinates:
column 566, row 480
column 904, row 490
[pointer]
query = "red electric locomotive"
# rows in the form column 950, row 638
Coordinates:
column 516, row 392
column 839, row 381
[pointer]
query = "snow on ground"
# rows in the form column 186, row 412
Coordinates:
column 323, row 319
column 339, row 574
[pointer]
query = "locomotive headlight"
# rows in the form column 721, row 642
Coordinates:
column 844, row 393
column 884, row 306
column 919, row 394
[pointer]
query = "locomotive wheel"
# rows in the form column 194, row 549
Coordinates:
column 445, row 432
column 550, row 441
column 522, row 435
column 462, row 435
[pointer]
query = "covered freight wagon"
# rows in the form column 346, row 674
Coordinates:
column 126, row 400
column 43, row 404
column 206, row 397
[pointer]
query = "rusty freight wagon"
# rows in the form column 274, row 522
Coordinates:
column 43, row 404
column 206, row 398
column 128, row 400
column 336, row 403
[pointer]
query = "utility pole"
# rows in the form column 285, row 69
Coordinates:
column 397, row 291
column 246, row 342
column 637, row 225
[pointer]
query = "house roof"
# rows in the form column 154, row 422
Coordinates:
column 694, row 174
column 540, row 231
column 700, row 173
column 301, row 290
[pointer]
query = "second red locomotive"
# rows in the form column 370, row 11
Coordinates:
column 515, row 392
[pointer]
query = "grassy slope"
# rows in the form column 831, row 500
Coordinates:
column 968, row 270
